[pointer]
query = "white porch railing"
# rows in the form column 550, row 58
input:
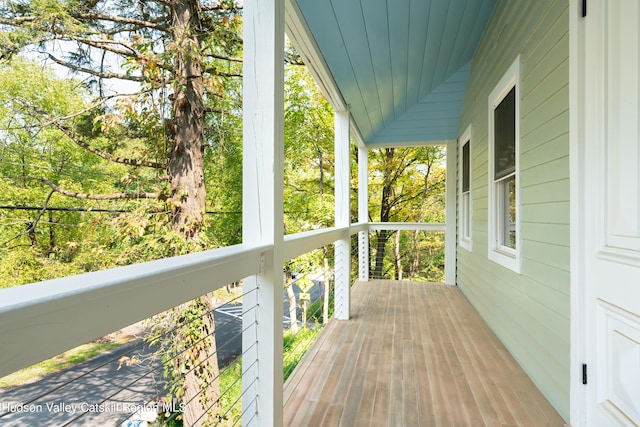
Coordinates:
column 41, row 320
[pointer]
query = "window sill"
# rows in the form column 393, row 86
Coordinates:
column 506, row 259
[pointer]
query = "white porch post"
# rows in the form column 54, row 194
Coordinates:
column 262, row 223
column 363, row 213
column 450, row 216
column 342, row 246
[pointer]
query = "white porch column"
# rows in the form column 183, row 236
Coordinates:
column 450, row 216
column 263, row 160
column 342, row 246
column 363, row 213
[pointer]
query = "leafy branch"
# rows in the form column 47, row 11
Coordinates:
column 31, row 226
column 101, row 74
column 71, row 135
column 111, row 196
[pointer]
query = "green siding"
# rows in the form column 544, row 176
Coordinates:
column 529, row 311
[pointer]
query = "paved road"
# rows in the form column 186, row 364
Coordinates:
column 98, row 392
column 315, row 293
column 105, row 392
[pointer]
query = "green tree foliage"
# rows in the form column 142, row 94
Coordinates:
column 114, row 166
column 37, row 244
column 309, row 172
column 60, row 235
column 407, row 185
column 309, row 159
column 180, row 55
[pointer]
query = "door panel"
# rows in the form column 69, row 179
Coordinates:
column 622, row 76
column 612, row 212
column 619, row 382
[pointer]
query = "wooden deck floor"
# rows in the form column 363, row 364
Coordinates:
column 413, row 354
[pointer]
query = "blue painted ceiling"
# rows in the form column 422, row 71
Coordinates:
column 400, row 65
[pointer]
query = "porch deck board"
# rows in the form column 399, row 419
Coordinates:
column 412, row 354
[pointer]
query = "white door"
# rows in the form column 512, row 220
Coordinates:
column 610, row 216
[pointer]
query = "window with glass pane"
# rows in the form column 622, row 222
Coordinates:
column 504, row 172
column 466, row 193
column 507, row 214
column 505, row 136
column 504, row 240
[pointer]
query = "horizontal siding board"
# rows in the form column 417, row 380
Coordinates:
column 552, row 305
column 546, row 213
column 480, row 197
column 547, row 253
column 529, row 311
column 550, row 171
column 553, row 106
column 552, row 83
column 549, row 276
column 552, row 28
column 538, row 356
column 545, row 150
column 505, row 298
column 554, row 191
column 555, row 234
column 542, row 99
column 549, row 65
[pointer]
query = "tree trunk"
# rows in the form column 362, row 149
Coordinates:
column 186, row 162
column 385, row 212
column 201, row 381
column 52, row 235
column 188, row 193
column 383, row 236
column 415, row 263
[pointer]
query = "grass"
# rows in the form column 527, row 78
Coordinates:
column 231, row 401
column 58, row 363
column 295, row 346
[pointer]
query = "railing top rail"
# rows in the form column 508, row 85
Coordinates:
column 53, row 316
column 134, row 275
column 301, row 243
column 431, row 226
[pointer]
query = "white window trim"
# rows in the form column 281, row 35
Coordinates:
column 505, row 256
column 465, row 240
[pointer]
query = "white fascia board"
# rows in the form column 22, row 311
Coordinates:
column 357, row 136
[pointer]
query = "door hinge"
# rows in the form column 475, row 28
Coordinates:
column 584, row 8
column 584, row 373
